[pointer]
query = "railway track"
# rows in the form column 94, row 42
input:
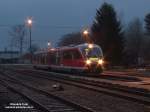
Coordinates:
column 23, row 104
column 17, row 102
column 135, row 95
column 45, row 101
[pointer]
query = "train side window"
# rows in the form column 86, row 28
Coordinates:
column 53, row 57
column 45, row 56
column 39, row 59
column 67, row 55
column 58, row 57
column 76, row 54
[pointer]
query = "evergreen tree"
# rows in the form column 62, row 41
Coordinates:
column 107, row 32
column 147, row 23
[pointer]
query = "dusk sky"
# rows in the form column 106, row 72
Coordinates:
column 54, row 18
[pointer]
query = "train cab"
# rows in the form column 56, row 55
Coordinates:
column 93, row 57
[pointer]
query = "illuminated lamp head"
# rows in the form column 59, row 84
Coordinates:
column 90, row 46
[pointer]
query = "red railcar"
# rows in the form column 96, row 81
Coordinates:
column 81, row 58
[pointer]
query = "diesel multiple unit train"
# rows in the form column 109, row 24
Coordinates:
column 79, row 58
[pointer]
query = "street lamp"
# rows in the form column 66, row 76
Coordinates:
column 86, row 36
column 29, row 23
column 85, row 32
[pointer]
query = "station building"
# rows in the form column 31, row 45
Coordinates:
column 7, row 57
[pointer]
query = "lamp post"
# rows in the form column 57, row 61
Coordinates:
column 85, row 34
column 29, row 22
column 49, row 44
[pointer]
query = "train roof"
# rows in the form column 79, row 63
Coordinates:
column 80, row 46
column 86, row 45
column 77, row 46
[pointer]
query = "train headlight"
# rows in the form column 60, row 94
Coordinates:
column 100, row 61
column 90, row 46
column 88, row 62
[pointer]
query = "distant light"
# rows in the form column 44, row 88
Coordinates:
column 52, row 49
column 90, row 46
column 30, row 21
column 49, row 44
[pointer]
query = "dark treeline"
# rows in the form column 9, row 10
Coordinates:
column 121, row 45
column 72, row 38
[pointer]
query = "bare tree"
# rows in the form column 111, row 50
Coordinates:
column 147, row 23
column 146, row 48
column 72, row 38
column 147, row 39
column 18, row 33
column 134, row 41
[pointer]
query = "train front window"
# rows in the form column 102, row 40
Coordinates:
column 94, row 52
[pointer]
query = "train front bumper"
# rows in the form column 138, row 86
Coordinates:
column 94, row 66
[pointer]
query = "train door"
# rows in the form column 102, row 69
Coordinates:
column 77, row 60
column 58, row 58
column 55, row 58
column 66, row 58
column 48, row 58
